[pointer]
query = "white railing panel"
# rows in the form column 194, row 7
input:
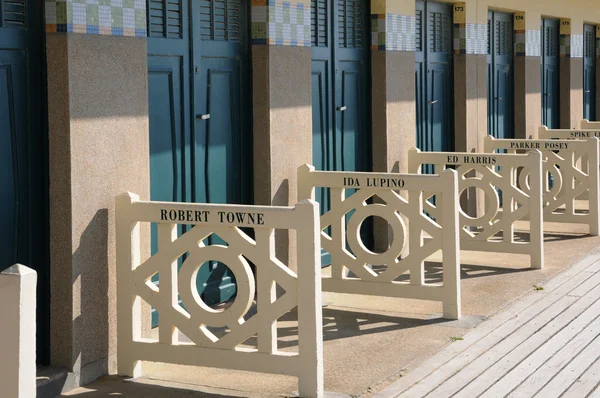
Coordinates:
column 586, row 124
column 227, row 349
column 494, row 231
column 565, row 176
column 399, row 202
column 566, row 134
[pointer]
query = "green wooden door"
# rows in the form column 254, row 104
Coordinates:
column 550, row 73
column 434, row 76
column 23, row 152
column 341, row 93
column 589, row 72
column 500, row 75
column 199, row 103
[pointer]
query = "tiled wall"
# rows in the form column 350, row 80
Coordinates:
column 281, row 23
column 571, row 46
column 392, row 32
column 104, row 17
column 528, row 43
column 470, row 38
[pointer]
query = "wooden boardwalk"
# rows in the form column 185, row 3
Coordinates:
column 544, row 345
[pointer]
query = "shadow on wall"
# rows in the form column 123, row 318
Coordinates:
column 91, row 288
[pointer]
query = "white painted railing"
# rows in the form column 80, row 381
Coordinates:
column 565, row 177
column 409, row 224
column 586, row 124
column 204, row 348
column 494, row 231
column 566, row 134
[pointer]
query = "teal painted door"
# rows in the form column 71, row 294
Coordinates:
column 341, row 96
column 23, row 152
column 434, row 76
column 500, row 75
column 550, row 73
column 200, row 127
column 589, row 72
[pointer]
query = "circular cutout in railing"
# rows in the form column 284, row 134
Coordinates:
column 201, row 312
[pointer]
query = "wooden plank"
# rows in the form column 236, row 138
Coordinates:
column 506, row 321
column 586, row 384
column 543, row 353
column 487, row 368
column 595, row 392
column 447, row 379
column 544, row 373
column 574, row 371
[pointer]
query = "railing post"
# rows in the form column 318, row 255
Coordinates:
column 451, row 247
column 310, row 320
column 594, row 211
column 17, row 332
column 129, row 308
column 536, row 210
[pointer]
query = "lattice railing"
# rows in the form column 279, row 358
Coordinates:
column 565, row 176
column 496, row 178
column 398, row 199
column 242, row 336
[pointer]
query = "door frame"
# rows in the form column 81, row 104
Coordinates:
column 491, row 62
column 554, row 97
column 423, row 106
column 37, row 177
column 594, row 64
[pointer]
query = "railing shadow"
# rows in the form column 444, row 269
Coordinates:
column 110, row 386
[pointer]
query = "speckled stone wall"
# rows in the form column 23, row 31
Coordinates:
column 98, row 148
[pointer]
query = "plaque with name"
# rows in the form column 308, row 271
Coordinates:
column 183, row 216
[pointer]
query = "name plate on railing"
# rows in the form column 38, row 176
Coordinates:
column 546, row 133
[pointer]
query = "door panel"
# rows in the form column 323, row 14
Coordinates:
column 13, row 155
column 353, row 146
column 24, row 235
column 166, row 125
column 550, row 73
column 503, row 94
column 589, row 72
column 201, row 144
column 340, row 90
column 438, row 107
column 500, row 75
column 321, row 122
column 434, row 77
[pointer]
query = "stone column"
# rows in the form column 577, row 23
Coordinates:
column 571, row 73
column 393, row 88
column 281, row 61
column 98, row 149
column 470, row 77
column 528, row 80
column 393, row 84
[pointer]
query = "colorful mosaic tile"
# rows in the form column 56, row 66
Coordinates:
column 528, row 43
column 470, row 38
column 392, row 32
column 104, row 17
column 281, row 23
